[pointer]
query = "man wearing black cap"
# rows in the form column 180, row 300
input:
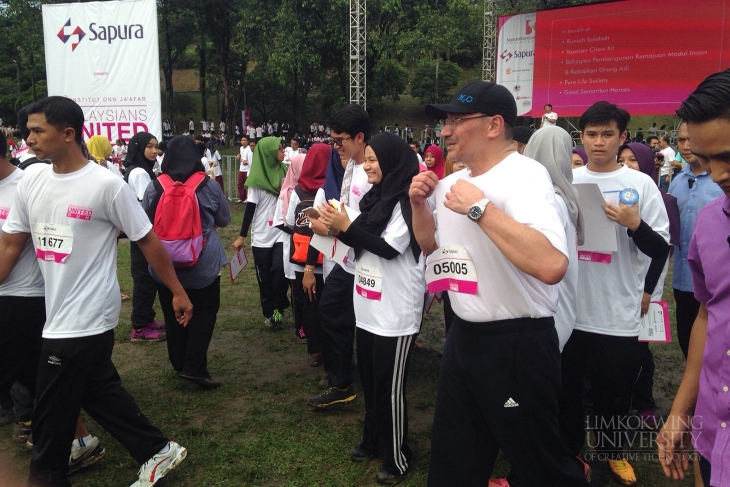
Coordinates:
column 521, row 136
column 500, row 374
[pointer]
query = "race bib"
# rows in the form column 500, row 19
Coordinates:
column 53, row 242
column 271, row 216
column 451, row 269
column 597, row 257
column 368, row 282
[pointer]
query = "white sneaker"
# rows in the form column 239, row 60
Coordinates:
column 160, row 465
column 83, row 456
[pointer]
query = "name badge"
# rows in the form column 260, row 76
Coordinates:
column 368, row 282
column 53, row 242
column 450, row 268
column 597, row 257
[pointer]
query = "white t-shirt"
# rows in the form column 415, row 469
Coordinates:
column 289, row 153
column 25, row 279
column 138, row 182
column 669, row 156
column 358, row 187
column 191, row 125
column 400, row 308
column 259, row 132
column 246, row 159
column 279, row 220
column 215, row 157
column 546, row 122
column 263, row 232
column 251, row 131
column 291, row 220
column 327, row 264
column 568, row 287
column 520, row 187
column 609, row 300
column 86, row 206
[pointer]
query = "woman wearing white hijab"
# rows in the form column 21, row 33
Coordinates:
column 552, row 147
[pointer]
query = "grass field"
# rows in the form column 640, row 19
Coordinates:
column 257, row 430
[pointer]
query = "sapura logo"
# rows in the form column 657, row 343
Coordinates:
column 66, row 33
column 507, row 54
column 529, row 29
column 107, row 33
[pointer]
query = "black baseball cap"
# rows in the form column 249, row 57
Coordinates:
column 479, row 97
column 522, row 134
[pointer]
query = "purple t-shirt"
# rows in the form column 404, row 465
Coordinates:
column 709, row 255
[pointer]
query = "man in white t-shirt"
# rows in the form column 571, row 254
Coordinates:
column 500, row 373
column 350, row 129
column 604, row 344
column 669, row 162
column 245, row 157
column 71, row 211
column 292, row 150
column 191, row 127
column 549, row 117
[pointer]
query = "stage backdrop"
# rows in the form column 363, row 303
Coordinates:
column 104, row 56
column 644, row 55
column 516, row 58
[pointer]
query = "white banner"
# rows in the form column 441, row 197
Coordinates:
column 104, row 56
column 516, row 59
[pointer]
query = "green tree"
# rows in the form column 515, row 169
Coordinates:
column 434, row 80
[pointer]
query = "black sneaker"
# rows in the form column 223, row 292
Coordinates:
column 387, row 478
column 360, row 454
column 276, row 321
column 332, row 396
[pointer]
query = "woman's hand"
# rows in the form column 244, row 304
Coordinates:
column 335, row 220
column 309, row 282
column 239, row 243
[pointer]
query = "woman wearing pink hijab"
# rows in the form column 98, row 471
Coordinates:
column 433, row 156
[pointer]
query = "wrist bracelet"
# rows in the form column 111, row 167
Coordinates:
column 308, row 270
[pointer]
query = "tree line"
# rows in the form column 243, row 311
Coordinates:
column 281, row 59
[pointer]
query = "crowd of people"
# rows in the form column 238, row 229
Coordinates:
column 352, row 236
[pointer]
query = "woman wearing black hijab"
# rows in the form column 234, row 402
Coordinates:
column 188, row 347
column 138, row 164
column 388, row 299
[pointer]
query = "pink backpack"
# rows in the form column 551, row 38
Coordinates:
column 177, row 219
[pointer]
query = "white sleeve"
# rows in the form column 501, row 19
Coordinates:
column 18, row 220
column 291, row 216
column 127, row 214
column 533, row 204
column 278, row 213
column 396, row 232
column 653, row 211
column 138, row 181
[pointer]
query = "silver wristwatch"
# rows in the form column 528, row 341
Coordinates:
column 477, row 209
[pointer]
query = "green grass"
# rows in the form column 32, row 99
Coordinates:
column 256, row 430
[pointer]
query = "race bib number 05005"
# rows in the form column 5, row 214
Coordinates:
column 451, row 269
column 53, row 242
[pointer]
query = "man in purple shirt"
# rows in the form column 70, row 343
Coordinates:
column 701, row 408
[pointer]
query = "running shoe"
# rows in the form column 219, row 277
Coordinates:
column 623, row 471
column 156, row 325
column 85, row 455
column 498, row 483
column 160, row 465
column 386, row 478
column 276, row 321
column 147, row 334
column 332, row 396
column 360, row 454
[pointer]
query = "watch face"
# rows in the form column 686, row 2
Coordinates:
column 475, row 212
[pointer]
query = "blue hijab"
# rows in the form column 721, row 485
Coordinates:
column 333, row 180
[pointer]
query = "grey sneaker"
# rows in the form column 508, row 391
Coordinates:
column 160, row 465
column 21, row 432
column 83, row 456
column 276, row 322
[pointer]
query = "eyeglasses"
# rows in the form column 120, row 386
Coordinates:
column 451, row 122
column 339, row 140
column 691, row 182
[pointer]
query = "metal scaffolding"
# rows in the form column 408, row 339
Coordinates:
column 494, row 8
column 358, row 55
